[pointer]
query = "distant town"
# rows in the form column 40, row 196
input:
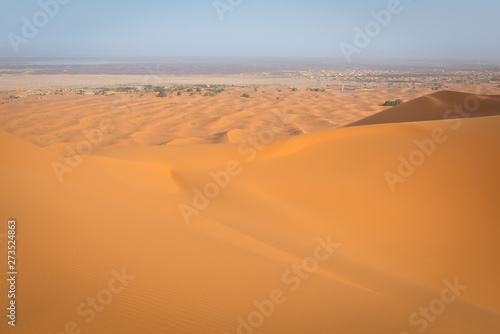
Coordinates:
column 371, row 79
column 138, row 75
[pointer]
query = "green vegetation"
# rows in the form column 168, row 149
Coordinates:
column 126, row 89
column 206, row 90
column 390, row 103
column 294, row 89
column 245, row 95
column 151, row 88
column 101, row 91
column 216, row 89
column 437, row 87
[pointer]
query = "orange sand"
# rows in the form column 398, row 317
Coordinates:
column 120, row 208
column 128, row 119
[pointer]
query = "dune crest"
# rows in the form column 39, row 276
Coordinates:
column 440, row 105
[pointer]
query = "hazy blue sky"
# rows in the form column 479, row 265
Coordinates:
column 425, row 29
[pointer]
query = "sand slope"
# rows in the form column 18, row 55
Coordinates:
column 440, row 105
column 119, row 208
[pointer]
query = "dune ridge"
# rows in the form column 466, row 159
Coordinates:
column 440, row 105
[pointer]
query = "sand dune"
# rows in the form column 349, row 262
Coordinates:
column 131, row 119
column 206, row 263
column 441, row 105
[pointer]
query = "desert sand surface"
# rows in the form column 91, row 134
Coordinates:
column 263, row 233
column 442, row 105
column 128, row 119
